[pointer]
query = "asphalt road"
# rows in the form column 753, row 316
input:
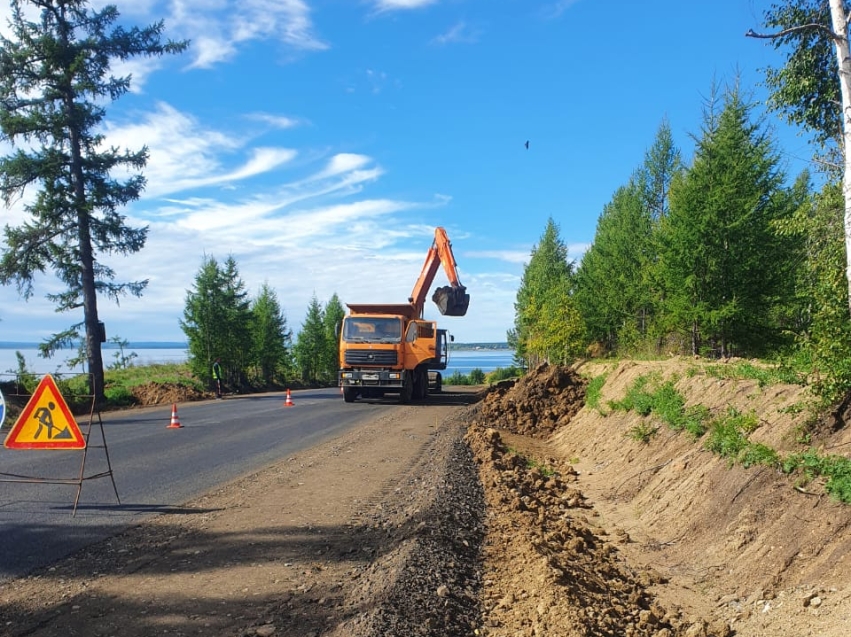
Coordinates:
column 155, row 468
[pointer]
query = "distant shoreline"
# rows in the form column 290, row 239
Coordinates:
column 179, row 345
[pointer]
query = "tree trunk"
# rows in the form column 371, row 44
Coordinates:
column 843, row 57
column 94, row 355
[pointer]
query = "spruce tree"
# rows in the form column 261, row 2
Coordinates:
column 310, row 346
column 721, row 259
column 332, row 319
column 271, row 337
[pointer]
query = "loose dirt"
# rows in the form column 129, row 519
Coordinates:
column 525, row 514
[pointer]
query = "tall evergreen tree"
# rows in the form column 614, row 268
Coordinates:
column 332, row 319
column 662, row 163
column 310, row 346
column 272, row 340
column 235, row 316
column 201, row 321
column 217, row 321
column 611, row 290
column 721, row 258
column 54, row 78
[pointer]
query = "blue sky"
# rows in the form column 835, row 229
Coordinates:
column 320, row 142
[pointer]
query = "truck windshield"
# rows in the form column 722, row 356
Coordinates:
column 363, row 329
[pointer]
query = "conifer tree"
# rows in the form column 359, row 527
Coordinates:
column 332, row 319
column 54, row 79
column 611, row 290
column 721, row 258
column 272, row 339
column 310, row 346
column 547, row 326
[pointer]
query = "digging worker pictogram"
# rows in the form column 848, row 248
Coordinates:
column 45, row 419
column 44, row 415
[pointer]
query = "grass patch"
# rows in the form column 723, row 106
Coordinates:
column 811, row 465
column 594, row 392
column 643, row 432
column 764, row 375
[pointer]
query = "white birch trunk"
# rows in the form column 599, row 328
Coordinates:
column 843, row 56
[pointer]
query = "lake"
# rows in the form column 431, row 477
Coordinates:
column 462, row 361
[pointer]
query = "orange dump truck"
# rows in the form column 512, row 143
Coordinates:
column 390, row 348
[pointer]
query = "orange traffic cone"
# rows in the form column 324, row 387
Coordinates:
column 289, row 401
column 175, row 421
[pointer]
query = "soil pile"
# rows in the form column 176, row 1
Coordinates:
column 537, row 404
column 149, row 394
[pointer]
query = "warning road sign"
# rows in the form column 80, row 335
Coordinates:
column 46, row 422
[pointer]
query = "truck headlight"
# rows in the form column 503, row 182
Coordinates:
column 347, row 375
column 395, row 376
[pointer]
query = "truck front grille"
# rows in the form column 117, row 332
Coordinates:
column 370, row 357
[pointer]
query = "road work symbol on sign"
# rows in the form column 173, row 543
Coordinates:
column 46, row 422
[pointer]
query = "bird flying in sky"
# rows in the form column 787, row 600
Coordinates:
column 527, row 144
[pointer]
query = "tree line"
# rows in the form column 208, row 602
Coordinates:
column 721, row 256
column 252, row 337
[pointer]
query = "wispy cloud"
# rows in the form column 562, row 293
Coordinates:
column 396, row 5
column 217, row 27
column 276, row 121
column 457, row 33
column 556, row 9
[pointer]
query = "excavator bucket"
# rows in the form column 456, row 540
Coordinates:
column 451, row 301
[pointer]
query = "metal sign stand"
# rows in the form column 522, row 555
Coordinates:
column 82, row 477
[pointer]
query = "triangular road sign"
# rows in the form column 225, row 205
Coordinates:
column 46, row 422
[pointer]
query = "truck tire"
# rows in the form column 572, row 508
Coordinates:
column 420, row 384
column 349, row 394
column 407, row 389
column 438, row 384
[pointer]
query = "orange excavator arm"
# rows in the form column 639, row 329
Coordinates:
column 451, row 300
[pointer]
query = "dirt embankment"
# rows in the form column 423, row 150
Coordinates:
column 672, row 538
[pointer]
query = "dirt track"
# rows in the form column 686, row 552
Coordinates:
column 523, row 515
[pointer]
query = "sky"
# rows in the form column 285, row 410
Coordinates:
column 320, row 143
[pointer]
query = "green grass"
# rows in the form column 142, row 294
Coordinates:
column 643, row 432
column 770, row 374
column 118, row 384
column 835, row 469
column 531, row 463
column 728, row 435
column 594, row 392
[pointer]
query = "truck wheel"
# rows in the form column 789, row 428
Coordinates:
column 349, row 394
column 407, row 389
column 420, row 384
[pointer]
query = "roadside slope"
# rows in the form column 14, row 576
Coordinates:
column 749, row 549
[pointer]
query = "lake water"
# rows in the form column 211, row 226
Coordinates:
column 462, row 361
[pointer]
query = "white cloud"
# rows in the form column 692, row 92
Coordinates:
column 393, row 5
column 459, row 33
column 509, row 256
column 276, row 121
column 183, row 154
column 218, row 27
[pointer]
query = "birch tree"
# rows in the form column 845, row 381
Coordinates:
column 814, row 88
